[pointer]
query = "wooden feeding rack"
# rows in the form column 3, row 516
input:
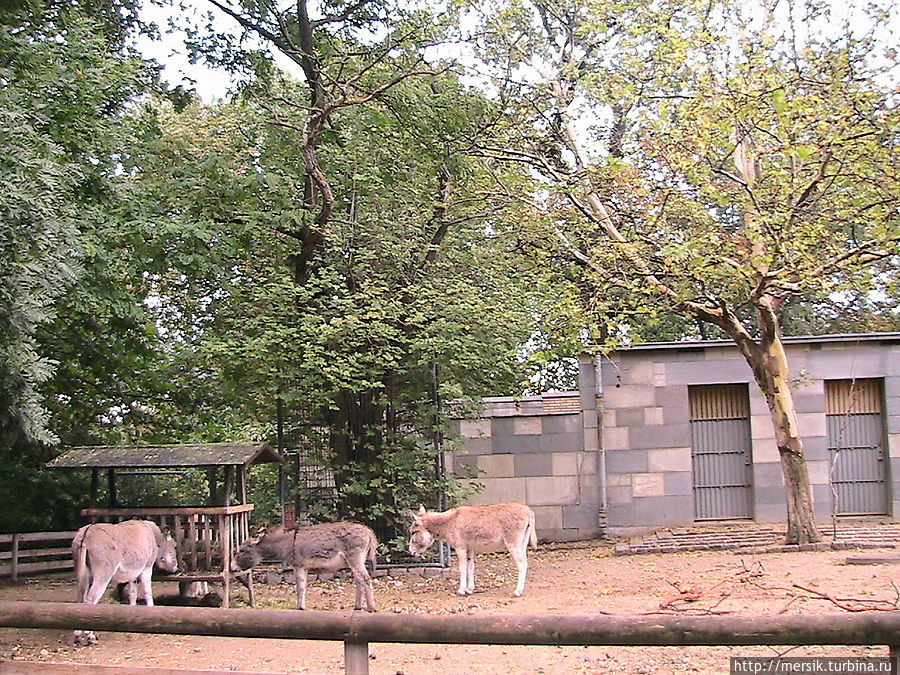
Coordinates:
column 206, row 535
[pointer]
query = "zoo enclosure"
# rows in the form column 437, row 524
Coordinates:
column 357, row 629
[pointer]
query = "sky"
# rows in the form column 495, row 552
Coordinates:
column 213, row 84
column 210, row 84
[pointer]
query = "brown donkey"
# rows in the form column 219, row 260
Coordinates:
column 477, row 529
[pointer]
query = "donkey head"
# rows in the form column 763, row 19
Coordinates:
column 248, row 554
column 420, row 539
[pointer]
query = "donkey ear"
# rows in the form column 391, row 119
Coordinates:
column 422, row 510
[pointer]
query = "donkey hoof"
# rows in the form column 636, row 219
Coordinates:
column 518, row 593
column 463, row 592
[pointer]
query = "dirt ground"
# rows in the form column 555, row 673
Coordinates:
column 563, row 580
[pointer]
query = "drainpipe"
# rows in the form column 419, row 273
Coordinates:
column 596, row 361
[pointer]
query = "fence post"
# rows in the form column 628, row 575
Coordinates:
column 356, row 658
column 14, row 571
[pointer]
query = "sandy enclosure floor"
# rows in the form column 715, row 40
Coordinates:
column 562, row 580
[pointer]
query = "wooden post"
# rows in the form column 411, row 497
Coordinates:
column 191, row 556
column 113, row 489
column 95, row 487
column 242, row 484
column 229, row 485
column 14, row 571
column 225, row 544
column 356, row 658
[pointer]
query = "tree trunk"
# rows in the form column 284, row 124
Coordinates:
column 801, row 517
column 356, row 433
column 768, row 361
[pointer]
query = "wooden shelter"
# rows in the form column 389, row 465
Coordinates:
column 206, row 535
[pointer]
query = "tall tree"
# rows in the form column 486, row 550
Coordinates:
column 65, row 77
column 415, row 273
column 709, row 161
column 383, row 224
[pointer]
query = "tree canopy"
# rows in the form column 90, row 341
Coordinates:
column 430, row 204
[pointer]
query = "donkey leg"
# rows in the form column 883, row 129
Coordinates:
column 131, row 592
column 92, row 597
column 470, row 565
column 363, row 587
column 519, row 557
column 146, row 589
column 462, row 556
column 300, row 573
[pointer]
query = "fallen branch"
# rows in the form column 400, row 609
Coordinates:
column 692, row 594
column 851, row 604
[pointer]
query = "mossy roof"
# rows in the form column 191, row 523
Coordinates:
column 164, row 456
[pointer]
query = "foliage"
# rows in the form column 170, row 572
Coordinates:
column 636, row 119
column 64, row 81
column 705, row 161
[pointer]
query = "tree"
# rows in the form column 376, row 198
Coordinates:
column 414, row 274
column 65, row 77
column 397, row 261
column 707, row 161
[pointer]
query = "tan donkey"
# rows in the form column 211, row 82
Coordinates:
column 477, row 529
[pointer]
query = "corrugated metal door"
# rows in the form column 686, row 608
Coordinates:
column 721, row 452
column 856, row 446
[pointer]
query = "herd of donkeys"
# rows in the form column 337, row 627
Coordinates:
column 126, row 552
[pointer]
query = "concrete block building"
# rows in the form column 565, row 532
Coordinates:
column 678, row 434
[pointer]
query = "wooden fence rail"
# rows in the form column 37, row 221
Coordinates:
column 35, row 552
column 357, row 629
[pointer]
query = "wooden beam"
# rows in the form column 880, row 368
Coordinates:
column 212, row 479
column 50, row 668
column 863, row 628
column 242, row 484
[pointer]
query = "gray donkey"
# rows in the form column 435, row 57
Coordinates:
column 326, row 547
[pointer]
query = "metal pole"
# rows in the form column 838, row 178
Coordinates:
column 440, row 463
column 279, row 402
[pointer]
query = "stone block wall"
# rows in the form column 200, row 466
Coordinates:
column 646, row 435
column 541, row 450
column 615, row 457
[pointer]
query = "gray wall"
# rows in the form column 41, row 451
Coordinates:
column 615, row 457
column 646, row 434
column 541, row 450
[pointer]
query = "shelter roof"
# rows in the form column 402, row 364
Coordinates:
column 164, row 456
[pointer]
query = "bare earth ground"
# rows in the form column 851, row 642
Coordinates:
column 577, row 579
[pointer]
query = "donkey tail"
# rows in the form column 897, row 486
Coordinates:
column 534, row 540
column 373, row 550
column 79, row 560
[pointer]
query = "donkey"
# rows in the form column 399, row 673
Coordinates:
column 122, row 553
column 477, row 529
column 326, row 547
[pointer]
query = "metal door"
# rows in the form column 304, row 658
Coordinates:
column 721, row 452
column 856, row 444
